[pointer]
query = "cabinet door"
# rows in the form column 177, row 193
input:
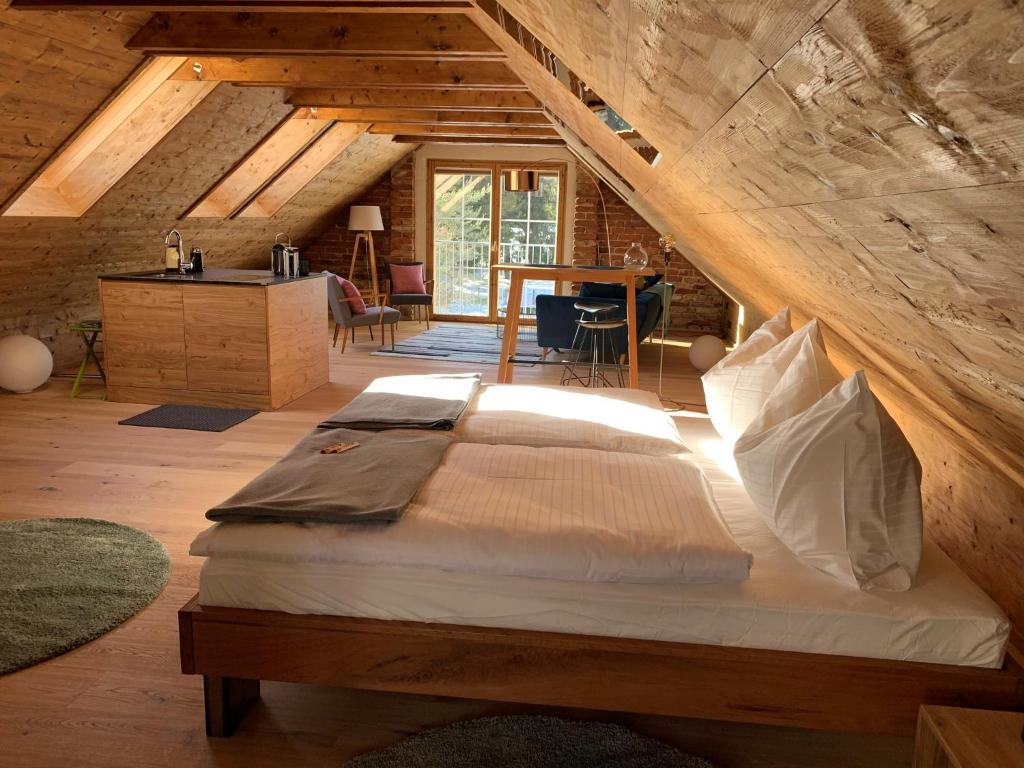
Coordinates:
column 144, row 335
column 226, row 338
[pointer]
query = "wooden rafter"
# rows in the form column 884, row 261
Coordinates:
column 328, row 71
column 112, row 141
column 428, row 117
column 455, row 130
column 257, row 6
column 303, row 170
column 411, row 98
column 257, row 169
column 416, row 36
column 497, row 140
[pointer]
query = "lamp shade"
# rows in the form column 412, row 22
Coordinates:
column 365, row 218
column 522, row 181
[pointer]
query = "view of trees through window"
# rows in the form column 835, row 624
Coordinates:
column 527, row 229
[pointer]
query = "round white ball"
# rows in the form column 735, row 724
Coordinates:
column 706, row 351
column 25, row 363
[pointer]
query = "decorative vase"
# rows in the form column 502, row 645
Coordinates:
column 635, row 257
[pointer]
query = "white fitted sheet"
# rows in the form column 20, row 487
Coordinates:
column 784, row 605
column 628, row 420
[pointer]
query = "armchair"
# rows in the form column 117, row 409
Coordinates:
column 556, row 316
column 346, row 318
column 407, row 287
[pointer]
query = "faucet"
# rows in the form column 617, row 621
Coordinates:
column 179, row 246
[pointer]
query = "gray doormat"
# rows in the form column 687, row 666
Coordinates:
column 520, row 741
column 465, row 343
column 66, row 581
column 201, row 418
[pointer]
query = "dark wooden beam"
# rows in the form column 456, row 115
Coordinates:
column 510, row 132
column 254, row 6
column 429, row 117
column 333, row 71
column 411, row 35
column 420, row 99
column 524, row 142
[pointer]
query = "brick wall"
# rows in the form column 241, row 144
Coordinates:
column 394, row 193
column 697, row 305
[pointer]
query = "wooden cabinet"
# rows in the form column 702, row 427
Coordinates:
column 244, row 345
column 952, row 737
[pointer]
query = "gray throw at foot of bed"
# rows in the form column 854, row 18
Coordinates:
column 373, row 482
column 408, row 402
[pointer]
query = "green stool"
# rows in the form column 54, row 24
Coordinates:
column 90, row 331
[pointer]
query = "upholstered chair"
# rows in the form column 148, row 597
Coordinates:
column 408, row 288
column 352, row 310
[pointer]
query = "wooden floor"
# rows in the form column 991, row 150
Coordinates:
column 121, row 700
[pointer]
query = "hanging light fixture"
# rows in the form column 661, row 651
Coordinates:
column 521, row 181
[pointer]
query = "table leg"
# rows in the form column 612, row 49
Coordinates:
column 508, row 344
column 631, row 328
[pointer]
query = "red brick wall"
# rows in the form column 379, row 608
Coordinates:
column 394, row 193
column 697, row 305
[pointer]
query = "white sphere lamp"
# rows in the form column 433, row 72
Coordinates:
column 706, row 351
column 25, row 363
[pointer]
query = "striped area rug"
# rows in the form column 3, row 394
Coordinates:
column 464, row 344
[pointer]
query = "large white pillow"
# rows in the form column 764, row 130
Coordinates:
column 718, row 380
column 839, row 485
column 736, row 394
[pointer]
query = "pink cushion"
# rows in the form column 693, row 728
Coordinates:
column 407, row 278
column 358, row 306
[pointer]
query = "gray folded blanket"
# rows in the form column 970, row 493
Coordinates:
column 408, row 402
column 371, row 483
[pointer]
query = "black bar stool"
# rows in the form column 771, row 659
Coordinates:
column 602, row 337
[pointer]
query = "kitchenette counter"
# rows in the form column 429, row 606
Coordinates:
column 223, row 337
column 212, row 277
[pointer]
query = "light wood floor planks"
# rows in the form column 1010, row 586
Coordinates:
column 121, row 700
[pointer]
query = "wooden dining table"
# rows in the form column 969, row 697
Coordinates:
column 568, row 273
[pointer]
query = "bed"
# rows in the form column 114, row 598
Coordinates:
column 788, row 646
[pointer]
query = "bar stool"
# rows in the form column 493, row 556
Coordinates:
column 602, row 336
column 90, row 331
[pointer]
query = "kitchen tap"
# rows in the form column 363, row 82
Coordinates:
column 174, row 253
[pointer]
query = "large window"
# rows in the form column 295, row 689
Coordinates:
column 477, row 223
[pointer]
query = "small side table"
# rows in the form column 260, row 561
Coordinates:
column 951, row 737
column 90, row 331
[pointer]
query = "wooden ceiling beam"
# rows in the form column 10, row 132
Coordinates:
column 429, row 117
column 416, row 36
column 499, row 140
column 419, row 99
column 274, row 153
column 144, row 110
column 335, row 71
column 408, row 129
column 254, row 6
column 286, row 185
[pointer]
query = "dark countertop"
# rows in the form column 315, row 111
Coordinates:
column 261, row 277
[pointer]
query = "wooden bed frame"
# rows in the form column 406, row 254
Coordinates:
column 234, row 649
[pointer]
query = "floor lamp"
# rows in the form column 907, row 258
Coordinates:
column 365, row 219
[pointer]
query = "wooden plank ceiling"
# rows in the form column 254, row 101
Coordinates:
column 410, row 69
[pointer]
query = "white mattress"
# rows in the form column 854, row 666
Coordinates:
column 629, row 420
column 784, row 605
column 557, row 513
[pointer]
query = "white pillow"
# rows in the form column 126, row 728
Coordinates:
column 718, row 379
column 809, row 376
column 736, row 394
column 841, row 487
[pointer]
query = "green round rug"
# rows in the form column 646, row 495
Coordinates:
column 523, row 741
column 66, row 581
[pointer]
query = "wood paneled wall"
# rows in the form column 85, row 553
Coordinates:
column 58, row 69
column 860, row 160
